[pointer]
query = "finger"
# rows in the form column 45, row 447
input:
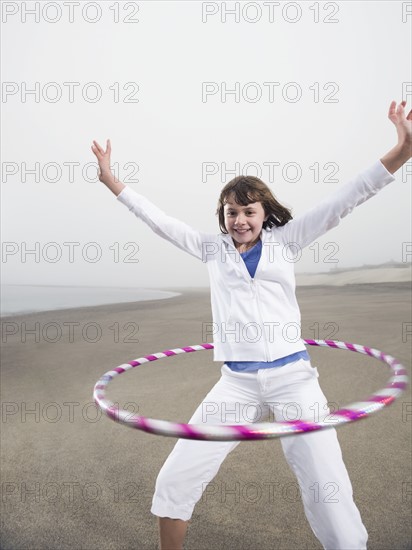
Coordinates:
column 392, row 108
column 109, row 147
column 409, row 117
column 98, row 147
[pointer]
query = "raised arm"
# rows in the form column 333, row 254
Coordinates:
column 105, row 173
column 402, row 151
column 327, row 214
column 175, row 231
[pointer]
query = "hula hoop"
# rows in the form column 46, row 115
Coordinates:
column 397, row 383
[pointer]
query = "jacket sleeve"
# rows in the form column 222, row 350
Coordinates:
column 177, row 232
column 327, row 214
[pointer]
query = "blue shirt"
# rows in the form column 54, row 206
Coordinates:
column 251, row 258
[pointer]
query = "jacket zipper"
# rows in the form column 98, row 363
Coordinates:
column 256, row 295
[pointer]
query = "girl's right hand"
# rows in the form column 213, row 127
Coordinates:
column 103, row 158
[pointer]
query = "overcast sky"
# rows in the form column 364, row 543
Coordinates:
column 314, row 83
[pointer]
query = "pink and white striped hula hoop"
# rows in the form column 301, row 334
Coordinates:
column 397, row 383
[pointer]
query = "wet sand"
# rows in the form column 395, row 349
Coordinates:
column 72, row 479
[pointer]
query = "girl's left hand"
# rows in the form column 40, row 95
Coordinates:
column 402, row 122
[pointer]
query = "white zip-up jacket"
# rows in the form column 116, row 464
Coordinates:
column 258, row 319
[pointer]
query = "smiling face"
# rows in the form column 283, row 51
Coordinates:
column 244, row 223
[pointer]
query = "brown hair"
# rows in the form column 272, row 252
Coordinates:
column 248, row 189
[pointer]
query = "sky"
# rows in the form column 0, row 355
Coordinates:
column 192, row 94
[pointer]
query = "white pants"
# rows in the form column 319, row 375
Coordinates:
column 290, row 392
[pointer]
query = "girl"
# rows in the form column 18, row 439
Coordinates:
column 265, row 366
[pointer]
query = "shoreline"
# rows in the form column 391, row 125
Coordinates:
column 383, row 274
column 186, row 291
column 181, row 291
column 61, row 301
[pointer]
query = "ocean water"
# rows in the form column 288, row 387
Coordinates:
column 19, row 299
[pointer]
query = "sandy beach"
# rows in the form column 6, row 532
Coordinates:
column 73, row 479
